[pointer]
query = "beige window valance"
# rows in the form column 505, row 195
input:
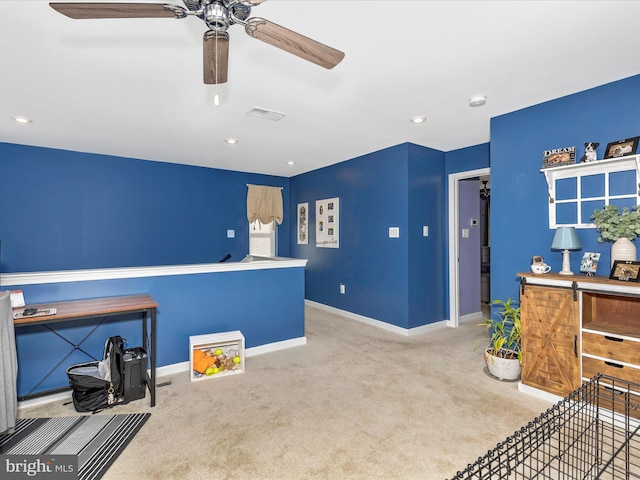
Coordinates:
column 264, row 204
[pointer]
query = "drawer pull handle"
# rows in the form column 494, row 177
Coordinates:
column 613, row 339
column 616, row 365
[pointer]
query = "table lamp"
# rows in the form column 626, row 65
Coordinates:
column 566, row 239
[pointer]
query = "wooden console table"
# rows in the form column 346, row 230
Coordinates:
column 576, row 326
column 101, row 308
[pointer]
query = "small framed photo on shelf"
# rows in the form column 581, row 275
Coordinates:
column 589, row 263
column 622, row 148
column 558, row 157
column 625, row 270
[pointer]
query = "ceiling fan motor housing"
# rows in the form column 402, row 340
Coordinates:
column 216, row 16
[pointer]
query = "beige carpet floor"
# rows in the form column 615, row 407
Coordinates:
column 356, row 402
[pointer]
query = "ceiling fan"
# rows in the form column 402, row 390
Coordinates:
column 218, row 15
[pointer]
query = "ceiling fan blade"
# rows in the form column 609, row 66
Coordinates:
column 117, row 10
column 293, row 42
column 216, row 57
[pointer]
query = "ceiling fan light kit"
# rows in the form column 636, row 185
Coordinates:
column 218, row 15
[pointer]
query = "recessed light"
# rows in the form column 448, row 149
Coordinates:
column 291, row 162
column 22, row 120
column 231, row 141
column 477, row 100
column 418, row 119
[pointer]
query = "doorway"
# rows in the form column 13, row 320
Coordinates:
column 455, row 186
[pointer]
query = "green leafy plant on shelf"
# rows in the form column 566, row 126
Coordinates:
column 614, row 225
column 505, row 330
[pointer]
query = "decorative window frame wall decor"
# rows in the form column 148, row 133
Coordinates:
column 581, row 201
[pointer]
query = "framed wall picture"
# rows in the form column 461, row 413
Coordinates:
column 589, row 263
column 622, row 148
column 625, row 270
column 303, row 222
column 327, row 223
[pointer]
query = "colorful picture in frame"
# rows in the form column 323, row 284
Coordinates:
column 589, row 263
column 557, row 157
column 622, row 148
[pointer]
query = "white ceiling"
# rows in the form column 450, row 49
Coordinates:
column 133, row 87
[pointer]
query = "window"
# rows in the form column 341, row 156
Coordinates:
column 262, row 239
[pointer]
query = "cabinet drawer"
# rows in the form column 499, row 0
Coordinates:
column 593, row 366
column 614, row 348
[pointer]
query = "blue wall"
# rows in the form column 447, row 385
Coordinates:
column 426, row 264
column 519, row 208
column 67, row 210
column 109, row 212
column 395, row 280
column 468, row 158
column 266, row 305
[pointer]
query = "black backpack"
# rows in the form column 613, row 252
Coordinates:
column 98, row 385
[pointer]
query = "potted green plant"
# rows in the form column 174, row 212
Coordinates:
column 619, row 227
column 503, row 355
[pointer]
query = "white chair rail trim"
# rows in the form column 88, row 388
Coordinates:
column 36, row 278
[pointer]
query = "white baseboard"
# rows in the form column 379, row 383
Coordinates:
column 168, row 370
column 36, row 402
column 407, row 332
column 181, row 367
column 535, row 392
column 274, row 347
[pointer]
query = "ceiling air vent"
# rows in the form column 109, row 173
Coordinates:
column 266, row 114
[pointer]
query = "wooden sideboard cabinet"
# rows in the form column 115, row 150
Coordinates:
column 550, row 338
column 574, row 327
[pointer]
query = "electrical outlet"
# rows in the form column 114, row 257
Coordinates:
column 231, row 233
column 342, row 289
column 394, row 232
column 465, row 233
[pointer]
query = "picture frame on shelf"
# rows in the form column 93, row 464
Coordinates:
column 557, row 157
column 625, row 271
column 589, row 263
column 622, row 148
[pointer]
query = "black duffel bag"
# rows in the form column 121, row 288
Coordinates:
column 99, row 384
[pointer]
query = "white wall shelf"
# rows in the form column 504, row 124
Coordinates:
column 578, row 171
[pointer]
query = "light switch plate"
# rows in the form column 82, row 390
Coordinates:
column 231, row 233
column 394, row 232
column 425, row 230
column 465, row 233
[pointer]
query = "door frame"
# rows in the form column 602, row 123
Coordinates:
column 454, row 243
